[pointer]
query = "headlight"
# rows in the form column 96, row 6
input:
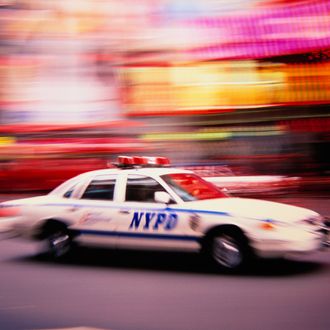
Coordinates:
column 317, row 221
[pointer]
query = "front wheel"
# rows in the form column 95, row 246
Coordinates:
column 228, row 250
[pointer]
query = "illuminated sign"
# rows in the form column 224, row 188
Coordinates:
column 215, row 87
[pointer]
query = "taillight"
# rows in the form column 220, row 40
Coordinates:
column 9, row 211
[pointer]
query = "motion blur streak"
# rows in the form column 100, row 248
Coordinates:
column 243, row 84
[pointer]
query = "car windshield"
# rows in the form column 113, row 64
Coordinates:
column 191, row 187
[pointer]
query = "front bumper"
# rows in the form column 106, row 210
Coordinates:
column 326, row 233
column 278, row 247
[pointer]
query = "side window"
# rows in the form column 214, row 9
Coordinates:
column 101, row 188
column 69, row 192
column 141, row 188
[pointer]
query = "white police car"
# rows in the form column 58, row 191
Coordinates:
column 144, row 205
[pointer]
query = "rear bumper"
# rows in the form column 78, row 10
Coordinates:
column 7, row 228
column 14, row 227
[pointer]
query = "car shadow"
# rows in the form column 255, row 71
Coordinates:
column 177, row 262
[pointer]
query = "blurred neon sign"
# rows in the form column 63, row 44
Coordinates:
column 267, row 32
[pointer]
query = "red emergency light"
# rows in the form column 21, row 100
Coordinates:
column 141, row 161
column 162, row 161
column 125, row 161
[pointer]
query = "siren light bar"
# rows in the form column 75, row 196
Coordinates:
column 141, row 161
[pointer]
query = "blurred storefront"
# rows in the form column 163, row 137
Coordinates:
column 241, row 83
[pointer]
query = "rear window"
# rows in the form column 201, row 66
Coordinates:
column 101, row 188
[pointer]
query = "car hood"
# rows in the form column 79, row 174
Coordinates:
column 250, row 179
column 253, row 208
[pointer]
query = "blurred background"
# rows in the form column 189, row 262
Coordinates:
column 236, row 88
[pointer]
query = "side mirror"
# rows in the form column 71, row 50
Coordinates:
column 162, row 197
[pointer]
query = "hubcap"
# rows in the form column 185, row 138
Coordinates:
column 226, row 252
column 59, row 244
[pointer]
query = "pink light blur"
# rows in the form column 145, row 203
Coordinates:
column 266, row 33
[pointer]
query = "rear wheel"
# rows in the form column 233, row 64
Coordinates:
column 56, row 241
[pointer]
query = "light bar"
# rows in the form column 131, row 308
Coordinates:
column 125, row 161
column 142, row 161
column 162, row 161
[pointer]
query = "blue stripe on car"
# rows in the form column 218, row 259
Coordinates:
column 168, row 209
column 135, row 235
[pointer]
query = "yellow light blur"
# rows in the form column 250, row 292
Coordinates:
column 7, row 140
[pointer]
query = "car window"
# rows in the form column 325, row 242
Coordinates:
column 69, row 192
column 101, row 188
column 191, row 187
column 66, row 187
column 140, row 188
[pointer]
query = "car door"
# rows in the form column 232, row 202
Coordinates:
column 97, row 208
column 144, row 223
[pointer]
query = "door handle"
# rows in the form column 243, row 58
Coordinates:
column 124, row 212
column 72, row 209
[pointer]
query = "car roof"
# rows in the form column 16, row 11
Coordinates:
column 139, row 170
column 148, row 171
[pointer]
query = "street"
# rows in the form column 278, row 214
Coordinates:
column 125, row 290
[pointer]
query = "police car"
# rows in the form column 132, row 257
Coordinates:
column 143, row 203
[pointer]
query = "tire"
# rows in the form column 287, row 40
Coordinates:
column 57, row 243
column 228, row 249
